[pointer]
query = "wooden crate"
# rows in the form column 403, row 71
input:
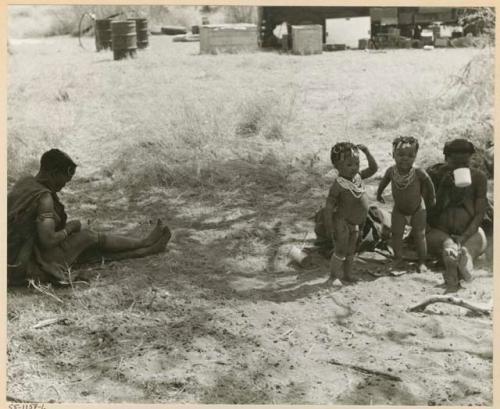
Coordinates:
column 307, row 39
column 442, row 42
column 363, row 43
column 228, row 38
column 393, row 32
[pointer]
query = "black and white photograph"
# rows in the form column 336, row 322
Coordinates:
column 250, row 204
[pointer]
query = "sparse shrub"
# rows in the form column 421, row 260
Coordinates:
column 274, row 131
column 462, row 109
column 241, row 14
column 199, row 149
column 479, row 20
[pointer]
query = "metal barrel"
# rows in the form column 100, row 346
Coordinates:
column 123, row 39
column 141, row 25
column 103, row 34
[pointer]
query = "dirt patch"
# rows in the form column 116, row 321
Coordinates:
column 222, row 317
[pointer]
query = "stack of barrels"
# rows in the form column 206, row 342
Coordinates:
column 103, row 34
column 141, row 26
column 124, row 37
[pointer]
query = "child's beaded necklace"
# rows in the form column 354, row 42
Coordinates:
column 356, row 186
column 401, row 182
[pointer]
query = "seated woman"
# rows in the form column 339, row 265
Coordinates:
column 454, row 223
column 42, row 244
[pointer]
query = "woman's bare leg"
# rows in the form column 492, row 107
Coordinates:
column 111, row 243
column 471, row 249
column 441, row 244
column 155, row 234
column 157, row 247
column 70, row 249
column 435, row 239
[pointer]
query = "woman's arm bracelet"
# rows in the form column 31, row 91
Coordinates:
column 65, row 233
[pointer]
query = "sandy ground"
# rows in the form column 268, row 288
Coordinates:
column 207, row 322
column 223, row 317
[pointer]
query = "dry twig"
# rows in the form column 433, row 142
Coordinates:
column 480, row 309
column 49, row 321
column 43, row 291
column 366, row 370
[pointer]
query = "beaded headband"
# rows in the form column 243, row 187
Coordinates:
column 403, row 142
column 342, row 151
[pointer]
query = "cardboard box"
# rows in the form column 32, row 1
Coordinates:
column 307, row 39
column 442, row 42
column 363, row 43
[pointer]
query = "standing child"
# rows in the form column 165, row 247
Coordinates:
column 413, row 191
column 347, row 206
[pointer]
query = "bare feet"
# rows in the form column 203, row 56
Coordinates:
column 165, row 238
column 333, row 282
column 422, row 268
column 161, row 243
column 452, row 289
column 349, row 279
column 154, row 235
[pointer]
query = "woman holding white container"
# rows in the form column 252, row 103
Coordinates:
column 454, row 223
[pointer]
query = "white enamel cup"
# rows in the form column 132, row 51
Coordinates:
column 462, row 177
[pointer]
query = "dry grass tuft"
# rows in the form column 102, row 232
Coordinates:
column 265, row 115
column 201, row 147
column 462, row 108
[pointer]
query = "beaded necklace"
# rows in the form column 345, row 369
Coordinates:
column 401, row 182
column 356, row 186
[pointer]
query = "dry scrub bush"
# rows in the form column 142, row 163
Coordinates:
column 201, row 148
column 479, row 20
column 39, row 21
column 462, row 108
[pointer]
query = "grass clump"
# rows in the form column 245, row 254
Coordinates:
column 266, row 115
column 200, row 146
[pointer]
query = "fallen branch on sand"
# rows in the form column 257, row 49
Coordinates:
column 481, row 309
column 14, row 399
column 366, row 370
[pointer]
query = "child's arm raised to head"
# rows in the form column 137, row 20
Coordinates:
column 372, row 163
column 386, row 179
column 331, row 207
column 428, row 191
